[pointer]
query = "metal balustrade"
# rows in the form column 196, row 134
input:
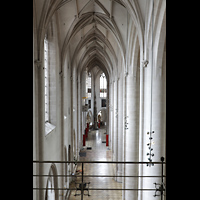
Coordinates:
column 159, row 190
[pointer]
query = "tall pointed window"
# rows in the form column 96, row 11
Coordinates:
column 46, row 79
column 103, row 85
column 49, row 80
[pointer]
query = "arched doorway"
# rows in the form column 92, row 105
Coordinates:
column 52, row 183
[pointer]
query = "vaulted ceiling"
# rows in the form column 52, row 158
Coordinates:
column 93, row 31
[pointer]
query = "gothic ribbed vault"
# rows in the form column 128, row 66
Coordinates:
column 92, row 30
column 76, row 44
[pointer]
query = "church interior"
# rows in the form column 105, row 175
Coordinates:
column 99, row 99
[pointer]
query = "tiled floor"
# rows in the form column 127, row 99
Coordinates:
column 99, row 152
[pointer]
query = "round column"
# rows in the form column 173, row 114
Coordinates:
column 111, row 115
column 115, row 134
column 120, row 127
column 159, row 128
column 131, row 139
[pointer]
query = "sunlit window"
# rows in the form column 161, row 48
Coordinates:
column 46, row 80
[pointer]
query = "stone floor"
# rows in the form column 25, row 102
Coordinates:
column 99, row 152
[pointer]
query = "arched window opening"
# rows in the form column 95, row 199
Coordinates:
column 103, row 85
column 50, row 79
column 51, row 193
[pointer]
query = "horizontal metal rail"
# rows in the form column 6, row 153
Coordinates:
column 104, row 176
column 107, row 176
column 106, row 162
column 93, row 189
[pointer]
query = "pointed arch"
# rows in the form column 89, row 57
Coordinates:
column 87, row 19
column 52, row 182
column 97, row 51
column 94, row 35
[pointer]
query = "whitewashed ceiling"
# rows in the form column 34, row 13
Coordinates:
column 93, row 31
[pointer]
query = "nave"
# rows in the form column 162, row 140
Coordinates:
column 99, row 60
column 99, row 152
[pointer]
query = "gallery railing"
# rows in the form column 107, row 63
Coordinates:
column 160, row 188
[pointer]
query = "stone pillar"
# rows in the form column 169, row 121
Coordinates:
column 108, row 108
column 41, row 123
column 111, row 115
column 124, row 131
column 79, row 107
column 120, row 127
column 115, row 130
column 83, row 99
column 131, row 138
column 159, row 128
column 113, row 118
column 95, row 113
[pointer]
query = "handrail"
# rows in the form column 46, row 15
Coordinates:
column 107, row 176
column 113, row 162
column 160, row 189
